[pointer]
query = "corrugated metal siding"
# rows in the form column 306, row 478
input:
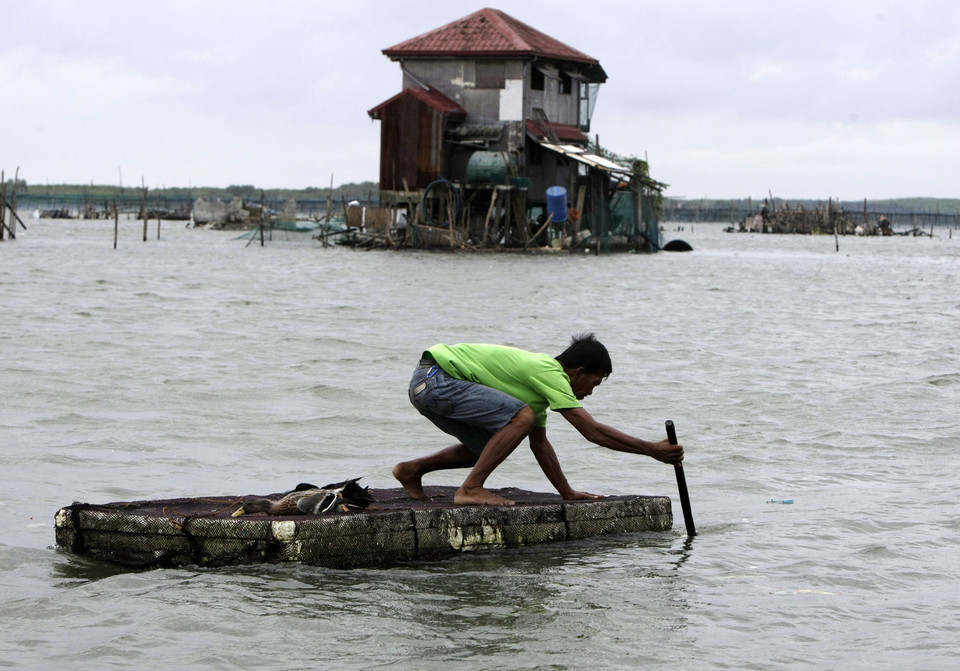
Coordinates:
column 411, row 144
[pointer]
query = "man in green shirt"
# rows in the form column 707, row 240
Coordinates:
column 491, row 397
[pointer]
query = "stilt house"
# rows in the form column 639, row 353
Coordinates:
column 486, row 144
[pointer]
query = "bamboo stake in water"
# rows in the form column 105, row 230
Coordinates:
column 682, row 484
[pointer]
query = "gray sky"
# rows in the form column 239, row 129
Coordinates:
column 814, row 99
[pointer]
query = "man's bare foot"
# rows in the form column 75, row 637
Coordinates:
column 478, row 496
column 411, row 480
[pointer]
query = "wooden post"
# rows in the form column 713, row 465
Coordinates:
column 3, row 204
column 540, row 230
column 508, row 208
column 486, row 223
column 326, row 216
column 143, row 208
column 836, row 240
column 581, row 198
column 158, row 225
column 413, row 219
column 520, row 213
column 12, row 205
column 116, row 224
column 450, row 213
column 681, row 484
column 261, row 218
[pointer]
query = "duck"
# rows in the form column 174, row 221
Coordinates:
column 307, row 499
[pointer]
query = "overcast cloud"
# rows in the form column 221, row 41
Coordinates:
column 846, row 99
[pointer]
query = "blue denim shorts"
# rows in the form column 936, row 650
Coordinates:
column 468, row 411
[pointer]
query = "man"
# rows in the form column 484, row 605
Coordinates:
column 491, row 397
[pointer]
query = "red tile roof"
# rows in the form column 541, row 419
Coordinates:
column 431, row 97
column 564, row 132
column 488, row 32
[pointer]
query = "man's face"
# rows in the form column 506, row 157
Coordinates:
column 583, row 383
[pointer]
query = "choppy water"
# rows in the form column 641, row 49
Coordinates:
column 196, row 365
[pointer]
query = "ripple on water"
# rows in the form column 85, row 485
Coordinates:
column 199, row 366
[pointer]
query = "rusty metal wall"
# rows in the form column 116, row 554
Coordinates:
column 411, row 144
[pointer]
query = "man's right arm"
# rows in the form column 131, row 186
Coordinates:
column 611, row 438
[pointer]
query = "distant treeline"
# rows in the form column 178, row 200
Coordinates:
column 77, row 195
column 939, row 211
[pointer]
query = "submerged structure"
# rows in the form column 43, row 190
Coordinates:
column 487, row 146
column 394, row 529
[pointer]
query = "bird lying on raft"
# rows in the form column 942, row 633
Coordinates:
column 307, row 499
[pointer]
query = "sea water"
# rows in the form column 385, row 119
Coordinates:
column 197, row 365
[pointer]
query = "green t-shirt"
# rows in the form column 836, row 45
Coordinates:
column 536, row 379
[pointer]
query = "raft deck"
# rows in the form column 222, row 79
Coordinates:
column 201, row 531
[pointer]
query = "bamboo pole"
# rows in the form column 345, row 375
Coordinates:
column 581, row 198
column 414, row 217
column 486, row 223
column 540, row 230
column 520, row 213
column 143, row 208
column 3, row 206
column 836, row 240
column 450, row 215
column 261, row 218
column 386, row 229
column 506, row 203
column 12, row 205
column 326, row 215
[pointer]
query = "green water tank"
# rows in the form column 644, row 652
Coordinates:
column 487, row 167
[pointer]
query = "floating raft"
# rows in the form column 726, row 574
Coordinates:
column 201, row 532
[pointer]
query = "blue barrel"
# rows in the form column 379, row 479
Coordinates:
column 557, row 203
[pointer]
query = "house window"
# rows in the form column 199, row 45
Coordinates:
column 490, row 75
column 537, row 79
column 566, row 83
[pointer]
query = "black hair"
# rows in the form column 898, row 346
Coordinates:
column 587, row 352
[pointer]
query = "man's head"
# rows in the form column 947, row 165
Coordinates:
column 587, row 363
column 586, row 352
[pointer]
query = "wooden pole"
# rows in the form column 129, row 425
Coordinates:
column 393, row 209
column 508, row 210
column 836, row 240
column 326, row 216
column 414, row 217
column 486, row 222
column 261, row 218
column 581, row 198
column 681, row 484
column 116, row 224
column 540, row 230
column 3, row 204
column 143, row 208
column 450, row 213
column 12, row 205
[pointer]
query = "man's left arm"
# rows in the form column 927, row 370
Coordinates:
column 550, row 464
